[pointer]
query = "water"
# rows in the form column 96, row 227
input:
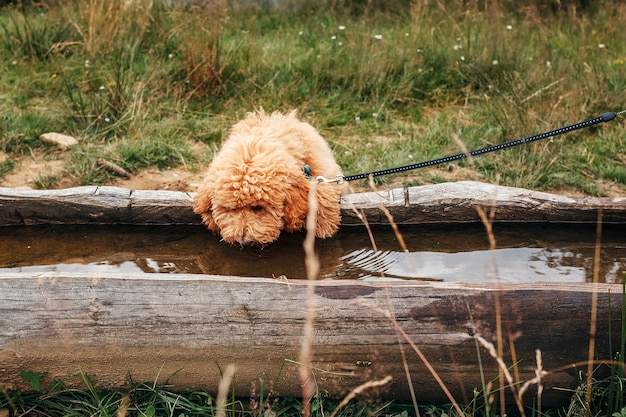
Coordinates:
column 525, row 253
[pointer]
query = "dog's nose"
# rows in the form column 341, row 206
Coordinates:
column 243, row 242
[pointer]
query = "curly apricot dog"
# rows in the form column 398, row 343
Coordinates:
column 258, row 184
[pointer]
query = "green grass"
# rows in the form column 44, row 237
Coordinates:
column 149, row 399
column 385, row 88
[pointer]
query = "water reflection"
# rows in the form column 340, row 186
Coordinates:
column 453, row 253
column 506, row 265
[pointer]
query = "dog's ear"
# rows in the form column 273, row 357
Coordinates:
column 328, row 210
column 202, row 206
column 296, row 205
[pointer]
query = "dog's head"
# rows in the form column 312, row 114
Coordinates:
column 257, row 190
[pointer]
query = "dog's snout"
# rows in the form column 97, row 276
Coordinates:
column 244, row 241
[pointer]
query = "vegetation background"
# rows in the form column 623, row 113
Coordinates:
column 153, row 86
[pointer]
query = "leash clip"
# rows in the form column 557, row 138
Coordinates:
column 339, row 179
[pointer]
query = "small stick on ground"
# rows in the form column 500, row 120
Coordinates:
column 113, row 167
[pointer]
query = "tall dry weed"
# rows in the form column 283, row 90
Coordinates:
column 509, row 379
column 198, row 28
column 106, row 26
column 594, row 311
column 312, row 272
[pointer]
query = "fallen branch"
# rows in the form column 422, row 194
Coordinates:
column 113, row 167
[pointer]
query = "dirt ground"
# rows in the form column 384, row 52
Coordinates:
column 32, row 168
column 179, row 179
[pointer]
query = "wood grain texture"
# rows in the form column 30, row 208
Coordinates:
column 185, row 328
column 95, row 205
column 456, row 202
column 437, row 203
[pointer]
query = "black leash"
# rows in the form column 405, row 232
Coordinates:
column 605, row 117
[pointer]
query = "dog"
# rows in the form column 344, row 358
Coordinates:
column 258, row 183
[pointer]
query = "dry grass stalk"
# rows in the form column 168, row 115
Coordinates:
column 517, row 395
column 417, row 350
column 539, row 374
column 487, row 221
column 199, row 33
column 461, row 145
column 222, row 391
column 358, row 390
column 122, row 411
column 393, row 224
column 513, row 353
column 312, row 265
column 407, row 373
column 105, row 24
column 361, row 215
column 505, row 371
column 541, row 90
column 594, row 311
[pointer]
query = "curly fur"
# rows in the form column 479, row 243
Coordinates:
column 256, row 186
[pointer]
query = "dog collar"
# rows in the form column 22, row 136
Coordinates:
column 307, row 172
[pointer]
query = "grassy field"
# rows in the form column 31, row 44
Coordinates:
column 145, row 86
column 150, row 87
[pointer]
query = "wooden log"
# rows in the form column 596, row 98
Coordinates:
column 186, row 328
column 95, row 205
column 438, row 203
column 155, row 325
column 456, row 202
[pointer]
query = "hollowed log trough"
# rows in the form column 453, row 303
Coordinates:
column 185, row 329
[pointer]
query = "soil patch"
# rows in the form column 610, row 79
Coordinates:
column 31, row 170
column 177, row 179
